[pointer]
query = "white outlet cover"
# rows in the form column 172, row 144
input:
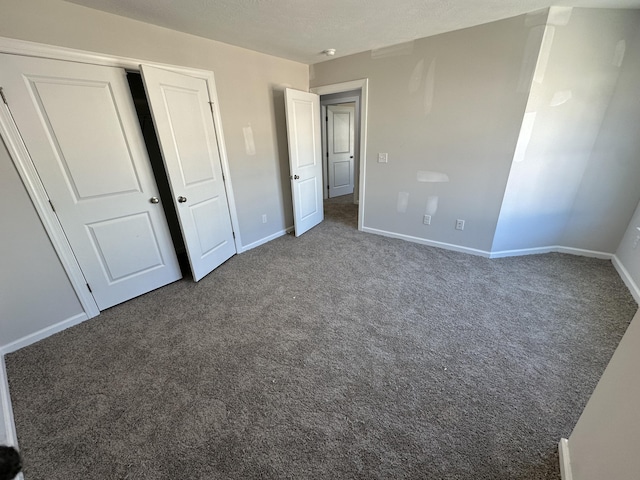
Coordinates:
column 383, row 157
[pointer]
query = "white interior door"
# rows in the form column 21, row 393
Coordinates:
column 186, row 133
column 340, row 148
column 79, row 124
column 305, row 158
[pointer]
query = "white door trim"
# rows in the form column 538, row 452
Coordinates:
column 7, row 423
column 217, row 120
column 29, row 175
column 363, row 86
column 325, row 161
column 33, row 49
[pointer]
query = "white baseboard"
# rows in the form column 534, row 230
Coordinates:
column 626, row 278
column 264, row 240
column 565, row 460
column 520, row 252
column 7, row 426
column 42, row 334
column 498, row 254
column 431, row 243
column 551, row 249
column 583, row 253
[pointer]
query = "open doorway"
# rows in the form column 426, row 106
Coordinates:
column 354, row 93
column 340, row 144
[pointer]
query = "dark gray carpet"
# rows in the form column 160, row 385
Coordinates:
column 337, row 355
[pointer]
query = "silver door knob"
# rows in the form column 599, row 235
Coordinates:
column 295, row 177
column 182, row 199
column 154, row 200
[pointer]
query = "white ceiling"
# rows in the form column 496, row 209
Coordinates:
column 301, row 29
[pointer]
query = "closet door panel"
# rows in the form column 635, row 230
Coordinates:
column 190, row 151
column 80, row 127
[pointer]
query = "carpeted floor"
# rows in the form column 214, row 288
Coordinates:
column 337, row 355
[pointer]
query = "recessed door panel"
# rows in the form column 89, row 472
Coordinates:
column 209, row 218
column 84, row 141
column 304, row 124
column 80, row 126
column 123, row 256
column 186, row 132
column 308, row 195
column 305, row 166
column 190, row 134
column 341, row 174
column 341, row 128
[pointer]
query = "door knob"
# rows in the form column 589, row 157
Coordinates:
column 182, row 199
column 295, row 177
column 154, row 200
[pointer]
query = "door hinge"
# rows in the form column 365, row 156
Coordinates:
column 89, row 287
column 4, row 99
column 234, row 234
column 52, row 207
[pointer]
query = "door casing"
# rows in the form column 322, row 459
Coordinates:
column 363, row 86
column 29, row 175
column 324, row 106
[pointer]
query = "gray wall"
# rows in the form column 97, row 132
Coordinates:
column 450, row 104
column 249, row 84
column 574, row 178
column 604, row 443
column 34, row 289
column 609, row 188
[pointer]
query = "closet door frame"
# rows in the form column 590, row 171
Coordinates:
column 29, row 175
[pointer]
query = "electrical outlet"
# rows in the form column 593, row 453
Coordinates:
column 459, row 224
column 264, row 218
column 383, row 157
column 426, row 220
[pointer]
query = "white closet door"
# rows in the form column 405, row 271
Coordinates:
column 80, row 126
column 305, row 158
column 186, row 133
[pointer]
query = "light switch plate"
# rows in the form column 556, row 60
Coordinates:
column 383, row 157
